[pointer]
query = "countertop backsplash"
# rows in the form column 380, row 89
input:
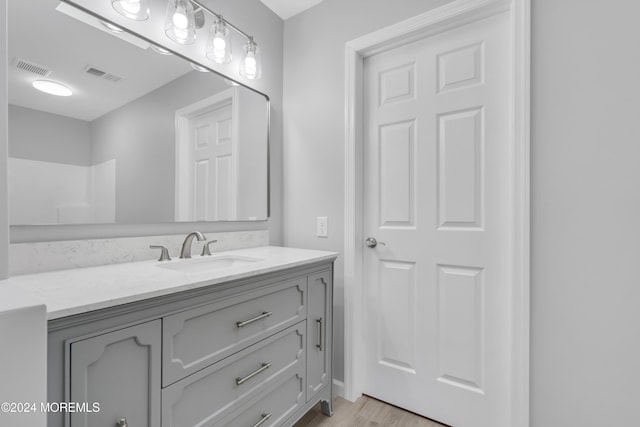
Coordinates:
column 28, row 258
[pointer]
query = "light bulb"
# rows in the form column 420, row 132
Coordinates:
column 180, row 23
column 180, row 20
column 132, row 9
column 180, row 33
column 219, row 43
column 132, row 6
column 250, row 66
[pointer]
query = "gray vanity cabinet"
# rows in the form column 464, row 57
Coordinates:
column 319, row 325
column 120, row 371
column 254, row 351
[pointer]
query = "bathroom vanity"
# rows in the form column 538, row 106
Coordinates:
column 241, row 338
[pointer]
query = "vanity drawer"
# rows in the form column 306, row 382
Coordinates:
column 194, row 339
column 205, row 397
column 274, row 406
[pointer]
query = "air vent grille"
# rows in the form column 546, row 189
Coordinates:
column 89, row 69
column 31, row 67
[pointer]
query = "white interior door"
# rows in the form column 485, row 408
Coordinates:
column 213, row 165
column 437, row 156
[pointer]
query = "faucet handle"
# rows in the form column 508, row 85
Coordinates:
column 205, row 248
column 164, row 254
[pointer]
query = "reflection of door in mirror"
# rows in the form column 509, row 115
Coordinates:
column 218, row 159
column 206, row 183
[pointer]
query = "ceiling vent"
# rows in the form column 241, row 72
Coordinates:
column 89, row 69
column 31, row 67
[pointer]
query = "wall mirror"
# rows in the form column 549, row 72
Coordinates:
column 144, row 137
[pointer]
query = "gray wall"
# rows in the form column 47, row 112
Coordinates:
column 267, row 28
column 585, row 143
column 4, row 188
column 585, row 298
column 36, row 135
column 314, row 122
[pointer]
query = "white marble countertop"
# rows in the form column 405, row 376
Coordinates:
column 75, row 291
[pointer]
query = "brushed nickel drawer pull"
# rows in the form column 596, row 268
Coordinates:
column 319, row 345
column 264, row 367
column 264, row 418
column 255, row 319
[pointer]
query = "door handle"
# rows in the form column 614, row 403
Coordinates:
column 371, row 242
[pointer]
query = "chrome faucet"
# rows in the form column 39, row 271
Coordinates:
column 185, row 252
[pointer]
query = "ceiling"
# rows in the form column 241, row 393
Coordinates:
column 288, row 8
column 67, row 46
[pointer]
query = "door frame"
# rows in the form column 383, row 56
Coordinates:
column 449, row 16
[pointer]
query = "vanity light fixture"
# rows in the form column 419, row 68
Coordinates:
column 250, row 66
column 52, row 88
column 132, row 9
column 180, row 22
column 219, row 43
column 183, row 19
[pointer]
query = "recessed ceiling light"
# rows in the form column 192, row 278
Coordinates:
column 52, row 88
column 109, row 26
column 199, row 68
column 160, row 50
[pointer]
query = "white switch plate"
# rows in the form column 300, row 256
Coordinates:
column 322, row 227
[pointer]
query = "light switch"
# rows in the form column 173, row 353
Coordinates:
column 322, row 227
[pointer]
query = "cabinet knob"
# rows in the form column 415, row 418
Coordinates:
column 122, row 423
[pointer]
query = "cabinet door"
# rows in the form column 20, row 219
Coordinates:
column 319, row 332
column 120, row 371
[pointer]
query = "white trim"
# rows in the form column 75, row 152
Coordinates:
column 432, row 22
column 520, row 322
column 338, row 388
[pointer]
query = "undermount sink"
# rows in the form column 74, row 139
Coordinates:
column 208, row 263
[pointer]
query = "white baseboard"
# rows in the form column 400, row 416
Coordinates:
column 338, row 388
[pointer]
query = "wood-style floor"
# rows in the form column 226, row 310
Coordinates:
column 366, row 412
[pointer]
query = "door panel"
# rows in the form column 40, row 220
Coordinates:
column 211, row 153
column 436, row 198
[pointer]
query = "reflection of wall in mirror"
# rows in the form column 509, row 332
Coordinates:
column 51, row 177
column 252, row 153
column 141, row 137
column 138, row 141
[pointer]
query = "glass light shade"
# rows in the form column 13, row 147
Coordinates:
column 180, row 22
column 52, row 88
column 250, row 64
column 219, row 43
column 132, row 9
